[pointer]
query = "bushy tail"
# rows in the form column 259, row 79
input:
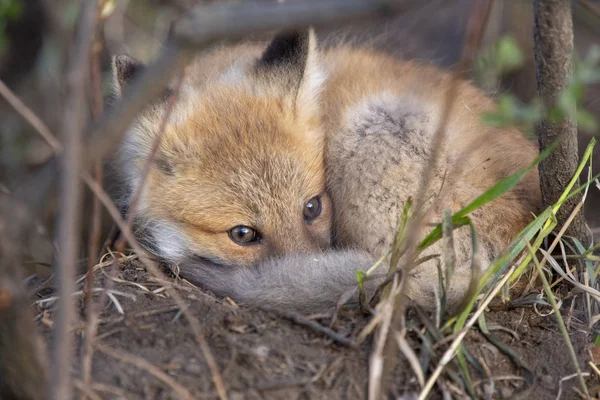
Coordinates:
column 296, row 282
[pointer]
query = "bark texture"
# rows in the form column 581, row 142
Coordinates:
column 553, row 34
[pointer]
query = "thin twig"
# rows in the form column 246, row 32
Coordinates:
column 145, row 365
column 97, row 104
column 30, row 117
column 73, row 125
column 315, row 326
column 591, row 6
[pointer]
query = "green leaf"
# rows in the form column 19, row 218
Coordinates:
column 482, row 323
column 530, row 113
column 70, row 13
column 567, row 102
column 586, row 121
column 360, row 278
column 593, row 55
column 555, row 115
column 496, row 269
column 509, row 54
column 496, row 119
column 589, row 265
column 10, row 9
column 398, row 247
column 589, row 74
column 508, row 104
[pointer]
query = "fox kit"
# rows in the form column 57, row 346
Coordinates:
column 283, row 170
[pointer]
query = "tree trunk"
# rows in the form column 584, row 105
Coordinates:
column 553, row 34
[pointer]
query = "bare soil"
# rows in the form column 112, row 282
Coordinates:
column 265, row 355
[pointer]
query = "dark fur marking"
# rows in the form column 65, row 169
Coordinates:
column 163, row 164
column 288, row 51
column 127, row 68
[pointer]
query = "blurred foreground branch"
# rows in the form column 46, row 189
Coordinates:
column 74, row 120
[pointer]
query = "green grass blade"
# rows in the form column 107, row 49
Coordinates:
column 504, row 185
column 499, row 265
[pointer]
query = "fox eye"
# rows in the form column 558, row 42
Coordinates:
column 243, row 235
column 312, row 209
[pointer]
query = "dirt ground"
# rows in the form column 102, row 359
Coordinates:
column 265, row 355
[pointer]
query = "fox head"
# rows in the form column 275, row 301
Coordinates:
column 239, row 172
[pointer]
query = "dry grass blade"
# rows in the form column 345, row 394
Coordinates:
column 566, row 378
column 73, row 125
column 302, row 321
column 86, row 390
column 410, row 355
column 103, row 264
column 594, row 368
column 384, row 312
column 144, row 364
column 584, row 288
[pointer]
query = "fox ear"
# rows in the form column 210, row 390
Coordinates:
column 292, row 58
column 124, row 69
column 288, row 50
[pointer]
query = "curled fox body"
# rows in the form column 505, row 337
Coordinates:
column 283, row 169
